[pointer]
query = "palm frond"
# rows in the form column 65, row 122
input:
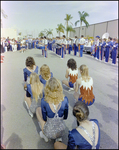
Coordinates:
column 80, row 14
column 76, row 22
column 85, row 14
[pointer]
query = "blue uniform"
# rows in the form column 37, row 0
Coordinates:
column 107, row 52
column 18, row 45
column 114, row 53
column 27, row 72
column 102, row 49
column 76, row 139
column 47, row 112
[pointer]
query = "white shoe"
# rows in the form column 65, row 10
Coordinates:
column 112, row 64
column 58, row 139
column 71, row 89
column 43, row 136
column 61, row 58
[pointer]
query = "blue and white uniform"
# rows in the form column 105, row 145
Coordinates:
column 81, row 42
column 114, row 53
column 63, row 50
column 107, row 52
column 46, row 46
column 102, row 49
column 27, row 73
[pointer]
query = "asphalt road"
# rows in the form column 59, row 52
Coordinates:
column 20, row 131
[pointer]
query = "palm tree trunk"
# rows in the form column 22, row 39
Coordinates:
column 67, row 31
column 59, row 34
column 80, row 28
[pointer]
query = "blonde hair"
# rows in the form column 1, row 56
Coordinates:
column 36, row 85
column 53, row 91
column 45, row 72
column 84, row 72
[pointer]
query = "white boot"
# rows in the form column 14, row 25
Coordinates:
column 43, row 136
column 30, row 113
column 58, row 139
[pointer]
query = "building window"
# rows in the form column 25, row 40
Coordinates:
column 82, row 28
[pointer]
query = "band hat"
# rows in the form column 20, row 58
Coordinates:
column 97, row 37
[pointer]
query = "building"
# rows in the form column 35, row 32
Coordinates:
column 9, row 32
column 98, row 29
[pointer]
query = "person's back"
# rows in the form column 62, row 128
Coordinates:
column 86, row 91
column 87, row 133
column 54, row 98
column 73, row 75
column 79, row 139
column 45, row 74
column 30, row 67
column 85, row 85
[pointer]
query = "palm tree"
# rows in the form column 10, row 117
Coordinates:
column 60, row 28
column 20, row 33
column 68, row 17
column 41, row 34
column 49, row 32
column 69, row 29
column 82, row 16
column 4, row 15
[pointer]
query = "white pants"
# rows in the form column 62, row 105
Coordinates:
column 5, row 48
column 14, row 47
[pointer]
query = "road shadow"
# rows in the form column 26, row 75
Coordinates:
column 108, row 114
column 106, row 142
column 39, row 55
column 114, row 98
column 34, row 119
column 2, row 128
column 14, row 142
column 113, row 87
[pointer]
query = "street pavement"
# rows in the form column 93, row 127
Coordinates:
column 20, row 131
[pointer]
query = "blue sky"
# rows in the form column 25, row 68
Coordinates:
column 34, row 16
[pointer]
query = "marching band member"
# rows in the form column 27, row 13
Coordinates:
column 64, row 45
column 11, row 45
column 92, row 47
column 97, row 47
column 18, row 44
column 23, row 46
column 115, row 52
column 102, row 48
column 70, row 46
column 45, row 44
column 6, row 44
column 15, row 45
column 81, row 42
column 107, row 52
column 53, row 45
column 75, row 47
column 58, row 47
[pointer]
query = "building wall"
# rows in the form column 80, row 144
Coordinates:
column 112, row 28
column 90, row 31
column 8, row 32
column 99, row 29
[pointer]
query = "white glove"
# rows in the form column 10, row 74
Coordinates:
column 114, row 46
column 106, row 44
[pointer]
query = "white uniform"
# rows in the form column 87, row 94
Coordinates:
column 82, row 41
column 45, row 41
